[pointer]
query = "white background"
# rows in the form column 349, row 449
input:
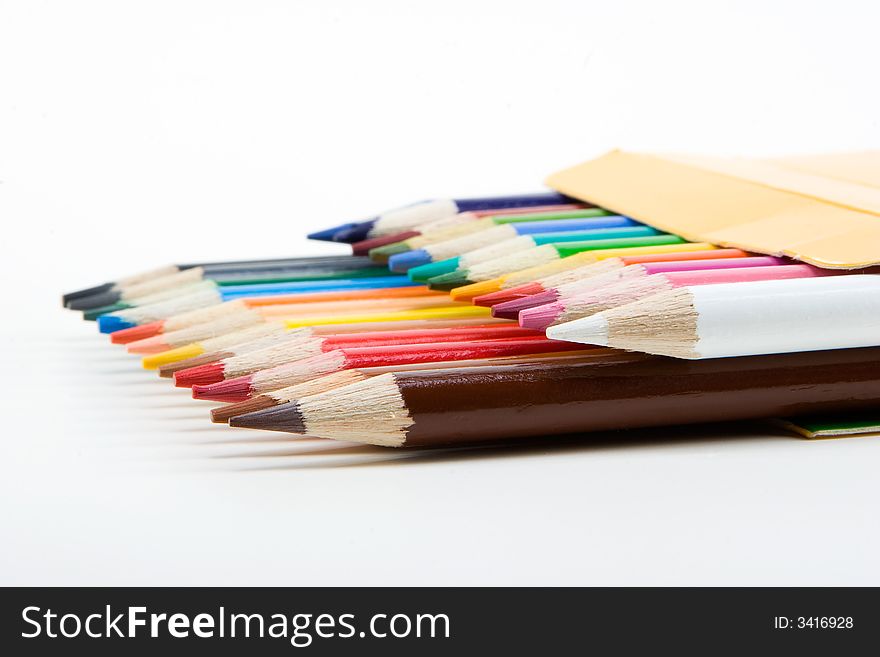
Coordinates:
column 134, row 134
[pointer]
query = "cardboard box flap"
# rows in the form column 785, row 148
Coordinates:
column 823, row 210
column 861, row 167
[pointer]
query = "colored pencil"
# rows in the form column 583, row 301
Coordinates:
column 275, row 355
column 269, row 289
column 348, row 317
column 541, row 255
column 500, row 246
column 445, row 407
column 498, row 232
column 511, row 309
column 259, row 314
column 122, row 319
column 404, row 218
column 288, row 270
column 629, row 291
column 239, row 343
column 179, row 284
column 365, row 246
column 136, row 279
column 446, row 230
column 201, row 316
column 530, row 274
column 244, row 387
column 92, row 314
column 597, row 268
column 444, row 313
column 740, row 319
column 452, row 312
column 274, row 281
column 338, row 379
column 461, row 265
column 225, row 413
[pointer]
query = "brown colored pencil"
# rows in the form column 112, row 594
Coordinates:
column 447, row 407
column 338, row 379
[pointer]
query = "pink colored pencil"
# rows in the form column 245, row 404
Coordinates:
column 628, row 291
column 511, row 309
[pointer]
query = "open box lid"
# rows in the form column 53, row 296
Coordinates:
column 824, row 210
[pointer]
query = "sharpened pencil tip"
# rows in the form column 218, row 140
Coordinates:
column 586, row 330
column 99, row 300
column 154, row 361
column 155, row 344
column 366, row 246
column 504, row 313
column 502, row 296
column 231, row 390
column 167, row 371
column 383, row 253
column 355, row 233
column 468, row 292
column 449, row 282
column 86, row 292
column 327, row 234
column 228, row 411
column 403, row 262
column 92, row 314
column 112, row 323
column 286, row 417
column 423, row 273
column 202, row 375
column 137, row 332
column 540, row 317
column 513, row 308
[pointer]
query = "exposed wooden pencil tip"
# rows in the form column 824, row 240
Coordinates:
column 286, row 417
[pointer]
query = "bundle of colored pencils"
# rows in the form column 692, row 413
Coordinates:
column 460, row 321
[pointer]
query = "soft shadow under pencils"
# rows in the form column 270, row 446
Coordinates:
column 358, row 456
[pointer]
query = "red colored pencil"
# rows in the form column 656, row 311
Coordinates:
column 512, row 309
column 235, row 366
column 244, row 387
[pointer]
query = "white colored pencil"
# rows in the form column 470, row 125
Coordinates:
column 171, row 281
column 563, row 267
column 490, row 236
column 169, row 293
column 405, row 218
column 204, row 297
column 740, row 319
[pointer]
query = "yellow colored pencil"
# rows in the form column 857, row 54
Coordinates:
column 403, row 315
column 275, row 331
